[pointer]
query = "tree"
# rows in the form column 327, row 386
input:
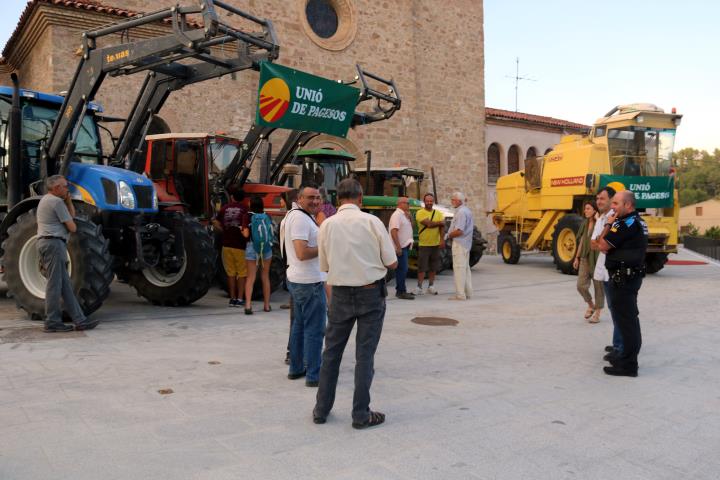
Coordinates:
column 698, row 174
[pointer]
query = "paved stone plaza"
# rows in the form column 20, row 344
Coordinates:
column 515, row 390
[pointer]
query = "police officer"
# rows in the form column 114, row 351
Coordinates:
column 624, row 241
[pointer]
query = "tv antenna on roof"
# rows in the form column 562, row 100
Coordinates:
column 517, row 79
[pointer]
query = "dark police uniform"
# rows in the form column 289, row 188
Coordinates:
column 625, row 262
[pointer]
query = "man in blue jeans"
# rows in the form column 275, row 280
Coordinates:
column 401, row 232
column 356, row 251
column 305, row 282
column 603, row 200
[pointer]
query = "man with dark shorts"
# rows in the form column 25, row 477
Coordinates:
column 230, row 220
column 431, row 233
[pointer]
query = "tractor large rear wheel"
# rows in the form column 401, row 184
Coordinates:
column 654, row 262
column 478, row 247
column 195, row 276
column 564, row 243
column 89, row 266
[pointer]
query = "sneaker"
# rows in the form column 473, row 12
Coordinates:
column 417, row 291
column 405, row 296
column 431, row 290
column 233, row 302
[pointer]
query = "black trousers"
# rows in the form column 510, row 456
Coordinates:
column 624, row 309
column 366, row 306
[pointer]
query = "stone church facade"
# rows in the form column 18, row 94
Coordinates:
column 432, row 49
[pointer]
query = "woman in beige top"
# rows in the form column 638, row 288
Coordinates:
column 585, row 260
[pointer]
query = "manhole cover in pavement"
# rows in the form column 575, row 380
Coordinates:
column 435, row 321
column 33, row 335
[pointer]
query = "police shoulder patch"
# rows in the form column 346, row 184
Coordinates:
column 630, row 220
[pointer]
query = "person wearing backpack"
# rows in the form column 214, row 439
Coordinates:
column 259, row 233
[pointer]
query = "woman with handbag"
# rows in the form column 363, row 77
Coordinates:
column 585, row 259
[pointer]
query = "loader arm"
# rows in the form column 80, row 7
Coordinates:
column 160, row 56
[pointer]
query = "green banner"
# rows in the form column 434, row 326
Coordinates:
column 650, row 192
column 296, row 100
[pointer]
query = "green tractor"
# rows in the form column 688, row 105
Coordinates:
column 326, row 168
column 384, row 185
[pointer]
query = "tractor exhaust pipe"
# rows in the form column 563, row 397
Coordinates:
column 368, row 164
column 15, row 157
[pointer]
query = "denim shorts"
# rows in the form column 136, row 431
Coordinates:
column 252, row 256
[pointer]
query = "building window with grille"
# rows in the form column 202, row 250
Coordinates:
column 493, row 162
column 531, row 153
column 513, row 159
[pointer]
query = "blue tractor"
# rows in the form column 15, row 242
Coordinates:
column 165, row 254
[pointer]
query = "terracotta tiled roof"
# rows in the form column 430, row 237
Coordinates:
column 536, row 119
column 89, row 5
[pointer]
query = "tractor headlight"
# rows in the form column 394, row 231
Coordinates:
column 127, row 198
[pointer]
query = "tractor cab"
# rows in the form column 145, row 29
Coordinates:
column 38, row 113
column 183, row 166
column 392, row 182
column 324, row 167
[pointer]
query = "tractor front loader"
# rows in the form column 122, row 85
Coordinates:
column 167, row 256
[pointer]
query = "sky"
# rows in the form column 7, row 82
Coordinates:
column 584, row 58
column 588, row 57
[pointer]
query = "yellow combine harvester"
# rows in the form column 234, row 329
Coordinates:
column 630, row 148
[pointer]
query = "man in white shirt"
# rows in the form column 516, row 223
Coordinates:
column 603, row 199
column 356, row 251
column 306, row 284
column 401, row 232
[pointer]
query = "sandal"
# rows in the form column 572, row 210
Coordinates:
column 375, row 419
column 248, row 311
column 588, row 313
column 268, row 309
column 596, row 316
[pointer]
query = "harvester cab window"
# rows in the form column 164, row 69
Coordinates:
column 640, row 151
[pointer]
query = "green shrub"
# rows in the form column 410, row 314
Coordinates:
column 713, row 232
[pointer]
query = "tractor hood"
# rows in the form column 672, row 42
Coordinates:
column 111, row 188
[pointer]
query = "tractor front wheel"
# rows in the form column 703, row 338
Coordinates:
column 654, row 262
column 508, row 248
column 564, row 243
column 195, row 276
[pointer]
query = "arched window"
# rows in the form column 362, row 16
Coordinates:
column 513, row 159
column 531, row 153
column 548, row 151
column 493, row 162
